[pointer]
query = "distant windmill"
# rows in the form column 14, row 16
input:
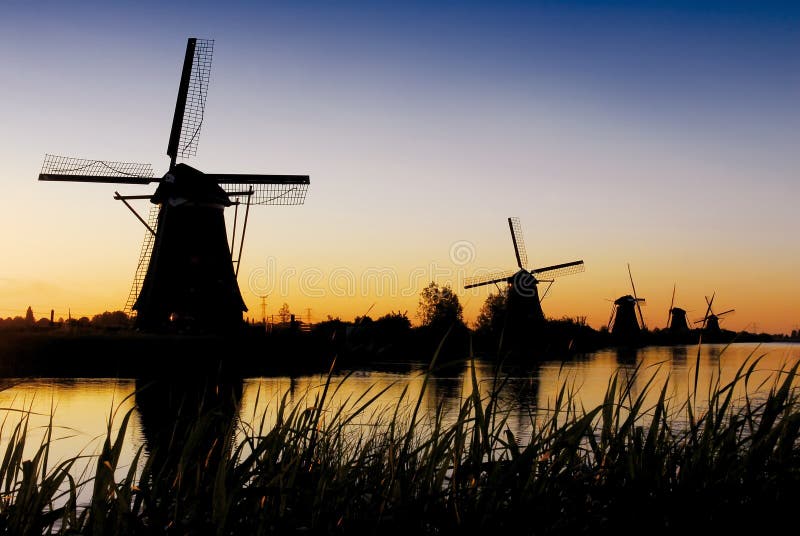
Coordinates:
column 186, row 270
column 710, row 322
column 624, row 321
column 523, row 306
column 676, row 317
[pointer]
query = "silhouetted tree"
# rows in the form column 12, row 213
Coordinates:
column 29, row 319
column 393, row 326
column 362, row 320
column 492, row 315
column 396, row 320
column 115, row 319
column 439, row 306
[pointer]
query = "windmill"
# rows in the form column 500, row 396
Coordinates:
column 710, row 322
column 187, row 271
column 624, row 321
column 676, row 317
column 524, row 307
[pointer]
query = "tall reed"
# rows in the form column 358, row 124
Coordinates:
column 624, row 466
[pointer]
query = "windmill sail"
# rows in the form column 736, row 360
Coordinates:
column 265, row 189
column 671, row 304
column 144, row 260
column 532, row 276
column 559, row 270
column 191, row 102
column 68, row 169
column 519, row 245
column 488, row 279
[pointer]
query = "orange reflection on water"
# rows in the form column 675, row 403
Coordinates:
column 80, row 410
column 81, row 407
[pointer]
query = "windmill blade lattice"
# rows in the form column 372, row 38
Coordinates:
column 488, row 279
column 191, row 103
column 519, row 244
column 68, row 169
column 266, row 189
column 144, row 259
column 559, row 270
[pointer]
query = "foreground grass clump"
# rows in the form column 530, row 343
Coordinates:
column 731, row 464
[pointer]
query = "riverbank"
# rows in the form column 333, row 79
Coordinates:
column 91, row 352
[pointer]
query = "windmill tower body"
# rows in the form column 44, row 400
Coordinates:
column 523, row 306
column 678, row 322
column 712, row 325
column 626, row 324
column 190, row 279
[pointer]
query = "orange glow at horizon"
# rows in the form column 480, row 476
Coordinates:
column 324, row 269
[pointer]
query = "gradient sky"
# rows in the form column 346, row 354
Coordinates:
column 664, row 134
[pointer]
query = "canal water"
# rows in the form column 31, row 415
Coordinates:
column 83, row 409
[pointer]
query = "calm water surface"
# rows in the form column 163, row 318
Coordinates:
column 83, row 408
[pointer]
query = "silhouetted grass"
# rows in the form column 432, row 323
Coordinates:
column 625, row 466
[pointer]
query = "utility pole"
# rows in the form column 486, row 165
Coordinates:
column 264, row 311
column 264, row 308
column 308, row 316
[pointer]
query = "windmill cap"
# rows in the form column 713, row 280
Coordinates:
column 186, row 182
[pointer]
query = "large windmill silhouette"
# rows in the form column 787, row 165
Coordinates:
column 523, row 306
column 187, row 271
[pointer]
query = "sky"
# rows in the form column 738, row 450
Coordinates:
column 657, row 134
